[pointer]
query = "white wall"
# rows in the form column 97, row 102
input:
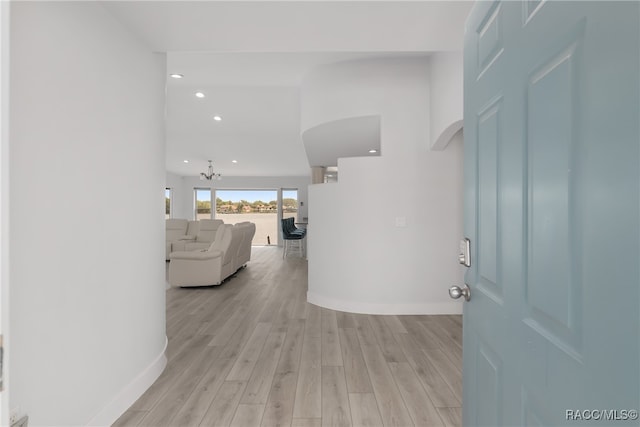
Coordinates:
column 4, row 206
column 446, row 83
column 359, row 259
column 183, row 203
column 86, row 239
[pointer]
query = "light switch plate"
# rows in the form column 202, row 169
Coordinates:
column 465, row 252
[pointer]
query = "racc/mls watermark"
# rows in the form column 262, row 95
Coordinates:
column 601, row 414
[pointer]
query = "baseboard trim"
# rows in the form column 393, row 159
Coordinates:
column 128, row 395
column 397, row 308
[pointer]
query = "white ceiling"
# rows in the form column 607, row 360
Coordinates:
column 249, row 58
column 350, row 137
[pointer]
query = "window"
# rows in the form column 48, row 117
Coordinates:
column 203, row 203
column 257, row 206
column 290, row 203
column 167, row 203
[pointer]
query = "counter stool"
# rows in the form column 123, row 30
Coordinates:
column 291, row 234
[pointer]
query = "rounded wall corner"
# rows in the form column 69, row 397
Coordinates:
column 384, row 309
column 132, row 391
column 447, row 135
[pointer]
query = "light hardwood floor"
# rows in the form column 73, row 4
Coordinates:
column 254, row 352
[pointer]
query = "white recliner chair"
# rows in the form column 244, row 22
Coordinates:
column 176, row 229
column 178, row 241
column 206, row 267
column 248, row 230
column 200, row 235
column 206, row 234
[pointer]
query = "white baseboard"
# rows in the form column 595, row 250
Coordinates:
column 454, row 307
column 128, row 395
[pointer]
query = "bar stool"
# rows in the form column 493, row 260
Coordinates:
column 291, row 234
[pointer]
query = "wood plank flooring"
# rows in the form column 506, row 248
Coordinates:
column 253, row 352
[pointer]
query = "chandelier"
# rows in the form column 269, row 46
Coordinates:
column 210, row 175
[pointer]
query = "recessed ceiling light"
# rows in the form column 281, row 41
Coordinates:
column 176, row 76
column 199, row 95
column 217, row 118
column 373, row 150
column 234, row 161
column 185, row 161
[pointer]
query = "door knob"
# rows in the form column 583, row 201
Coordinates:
column 456, row 292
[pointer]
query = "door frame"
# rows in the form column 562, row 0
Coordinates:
column 4, row 207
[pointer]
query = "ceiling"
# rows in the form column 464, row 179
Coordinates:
column 249, row 57
column 350, row 137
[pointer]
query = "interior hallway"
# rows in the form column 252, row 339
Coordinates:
column 254, row 352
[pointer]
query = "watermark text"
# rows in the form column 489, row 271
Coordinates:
column 601, row 414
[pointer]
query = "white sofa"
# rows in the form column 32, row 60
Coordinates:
column 248, row 230
column 176, row 229
column 207, row 267
column 184, row 235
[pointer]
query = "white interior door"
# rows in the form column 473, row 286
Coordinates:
column 552, row 208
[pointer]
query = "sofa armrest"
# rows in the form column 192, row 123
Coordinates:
column 217, row 252
column 195, row 246
column 196, row 255
column 178, row 245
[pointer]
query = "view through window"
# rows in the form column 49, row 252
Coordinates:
column 167, row 203
column 203, row 203
column 290, row 204
column 257, row 206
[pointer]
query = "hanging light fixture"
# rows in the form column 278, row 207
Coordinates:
column 210, row 175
